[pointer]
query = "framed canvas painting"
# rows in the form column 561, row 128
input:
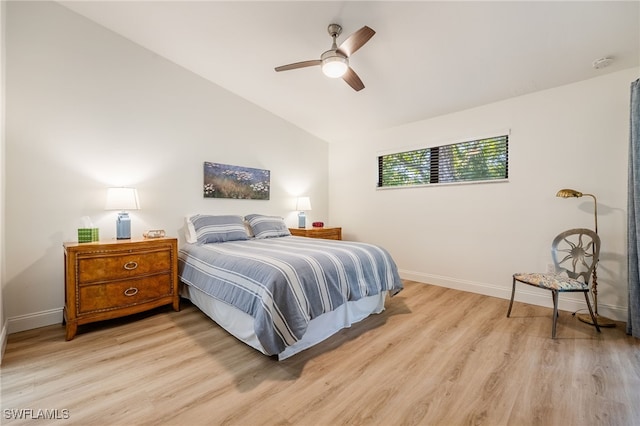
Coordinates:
column 242, row 183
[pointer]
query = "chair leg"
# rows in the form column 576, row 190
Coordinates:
column 513, row 292
column 554, row 295
column 593, row 317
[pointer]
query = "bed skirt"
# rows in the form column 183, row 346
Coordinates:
column 240, row 324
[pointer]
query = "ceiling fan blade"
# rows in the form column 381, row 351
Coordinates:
column 353, row 80
column 297, row 65
column 356, row 40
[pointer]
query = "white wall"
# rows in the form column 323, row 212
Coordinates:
column 474, row 237
column 87, row 109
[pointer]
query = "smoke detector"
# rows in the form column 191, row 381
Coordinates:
column 602, row 63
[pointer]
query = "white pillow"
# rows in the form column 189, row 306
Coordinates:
column 190, row 230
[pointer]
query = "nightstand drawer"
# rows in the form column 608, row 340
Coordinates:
column 119, row 265
column 120, row 294
column 328, row 233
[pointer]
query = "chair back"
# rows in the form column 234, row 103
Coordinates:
column 576, row 252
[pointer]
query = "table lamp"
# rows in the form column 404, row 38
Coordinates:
column 302, row 204
column 122, row 199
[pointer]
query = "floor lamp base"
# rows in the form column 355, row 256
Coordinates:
column 602, row 321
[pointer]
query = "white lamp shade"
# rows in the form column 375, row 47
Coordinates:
column 303, row 203
column 334, row 67
column 122, row 199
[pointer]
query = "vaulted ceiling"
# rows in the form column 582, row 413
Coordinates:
column 426, row 59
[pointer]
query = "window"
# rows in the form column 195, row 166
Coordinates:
column 479, row 160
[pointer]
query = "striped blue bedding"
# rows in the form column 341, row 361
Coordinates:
column 285, row 282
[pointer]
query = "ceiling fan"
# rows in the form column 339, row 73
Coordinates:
column 335, row 61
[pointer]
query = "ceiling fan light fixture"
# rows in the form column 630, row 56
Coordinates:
column 335, row 68
column 335, row 61
column 334, row 65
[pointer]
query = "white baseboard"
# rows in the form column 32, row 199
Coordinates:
column 524, row 294
column 34, row 320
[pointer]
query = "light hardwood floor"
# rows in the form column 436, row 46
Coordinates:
column 436, row 356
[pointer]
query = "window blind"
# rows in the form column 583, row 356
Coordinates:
column 476, row 160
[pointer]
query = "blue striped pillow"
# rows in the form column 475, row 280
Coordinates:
column 218, row 229
column 267, row 226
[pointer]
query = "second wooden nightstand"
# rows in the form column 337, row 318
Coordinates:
column 110, row 279
column 328, row 232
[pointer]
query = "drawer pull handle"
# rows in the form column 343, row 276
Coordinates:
column 130, row 266
column 131, row 291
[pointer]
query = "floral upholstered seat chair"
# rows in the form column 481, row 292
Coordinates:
column 575, row 255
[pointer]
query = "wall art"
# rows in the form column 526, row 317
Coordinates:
column 242, row 183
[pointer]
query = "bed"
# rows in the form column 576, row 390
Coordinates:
column 279, row 293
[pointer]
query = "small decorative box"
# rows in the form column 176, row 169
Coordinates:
column 88, row 235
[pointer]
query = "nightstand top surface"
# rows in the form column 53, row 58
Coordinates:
column 312, row 228
column 116, row 241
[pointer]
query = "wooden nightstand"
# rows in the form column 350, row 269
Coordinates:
column 110, row 279
column 328, row 233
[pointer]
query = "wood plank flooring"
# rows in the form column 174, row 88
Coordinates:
column 435, row 356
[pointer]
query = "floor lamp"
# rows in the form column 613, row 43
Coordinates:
column 602, row 321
